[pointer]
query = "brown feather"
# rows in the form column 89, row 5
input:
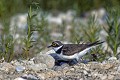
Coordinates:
column 70, row 49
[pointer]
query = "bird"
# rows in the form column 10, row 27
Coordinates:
column 72, row 51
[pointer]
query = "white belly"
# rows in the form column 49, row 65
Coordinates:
column 66, row 58
column 75, row 56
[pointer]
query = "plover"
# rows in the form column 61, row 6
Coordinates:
column 72, row 51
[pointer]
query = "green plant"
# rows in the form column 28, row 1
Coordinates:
column 38, row 31
column 113, row 38
column 11, row 7
column 86, row 30
column 6, row 44
column 42, row 30
column 89, row 32
column 28, row 41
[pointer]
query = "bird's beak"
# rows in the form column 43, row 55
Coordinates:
column 49, row 46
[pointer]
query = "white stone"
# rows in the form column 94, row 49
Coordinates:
column 45, row 59
column 37, row 67
column 19, row 78
column 118, row 69
column 20, row 68
column 85, row 72
column 112, row 58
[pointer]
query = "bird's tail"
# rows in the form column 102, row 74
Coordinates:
column 96, row 43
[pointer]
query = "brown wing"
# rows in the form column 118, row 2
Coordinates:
column 70, row 49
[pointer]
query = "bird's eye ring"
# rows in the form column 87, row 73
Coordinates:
column 54, row 44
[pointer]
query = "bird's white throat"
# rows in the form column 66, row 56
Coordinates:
column 57, row 48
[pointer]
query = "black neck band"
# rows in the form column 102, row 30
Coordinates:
column 59, row 50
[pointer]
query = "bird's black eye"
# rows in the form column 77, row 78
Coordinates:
column 54, row 44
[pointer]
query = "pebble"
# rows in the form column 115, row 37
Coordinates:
column 7, row 67
column 112, row 58
column 19, row 78
column 103, row 77
column 20, row 68
column 118, row 68
column 27, row 77
column 40, row 71
column 45, row 59
column 38, row 67
column 85, row 72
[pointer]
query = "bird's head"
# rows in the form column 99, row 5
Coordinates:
column 55, row 44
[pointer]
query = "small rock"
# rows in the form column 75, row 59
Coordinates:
column 41, row 76
column 72, row 69
column 85, row 72
column 118, row 69
column 7, row 67
column 1, row 77
column 112, row 61
column 57, row 68
column 27, row 77
column 45, row 59
column 107, row 66
column 81, row 79
column 30, row 77
column 56, row 78
column 30, row 63
column 117, row 77
column 19, row 78
column 64, row 65
column 15, row 63
column 112, row 58
column 103, row 77
column 110, row 77
column 38, row 67
column 20, row 68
